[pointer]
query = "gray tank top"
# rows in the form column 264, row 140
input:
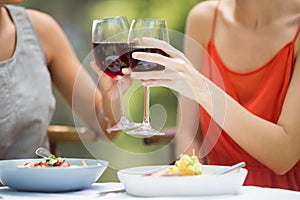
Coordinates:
column 26, row 100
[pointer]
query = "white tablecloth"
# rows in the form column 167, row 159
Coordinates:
column 246, row 193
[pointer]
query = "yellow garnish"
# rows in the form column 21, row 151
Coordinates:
column 83, row 163
column 186, row 166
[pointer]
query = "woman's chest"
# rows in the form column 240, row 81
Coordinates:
column 245, row 50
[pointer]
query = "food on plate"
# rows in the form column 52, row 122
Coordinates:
column 83, row 163
column 52, row 161
column 186, row 165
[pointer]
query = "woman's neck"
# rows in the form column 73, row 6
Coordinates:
column 257, row 13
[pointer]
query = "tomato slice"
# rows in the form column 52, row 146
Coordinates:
column 40, row 164
column 62, row 164
column 43, row 165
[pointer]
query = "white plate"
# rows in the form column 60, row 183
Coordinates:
column 50, row 179
column 137, row 184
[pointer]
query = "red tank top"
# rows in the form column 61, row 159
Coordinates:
column 264, row 98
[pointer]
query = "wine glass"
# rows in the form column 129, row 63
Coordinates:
column 109, row 39
column 146, row 28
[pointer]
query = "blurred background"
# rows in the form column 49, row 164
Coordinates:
column 75, row 18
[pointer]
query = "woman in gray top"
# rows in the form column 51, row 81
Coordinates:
column 33, row 53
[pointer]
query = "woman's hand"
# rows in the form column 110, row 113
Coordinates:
column 108, row 84
column 179, row 75
column 108, row 87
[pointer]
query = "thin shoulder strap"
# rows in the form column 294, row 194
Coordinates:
column 297, row 33
column 214, row 19
column 26, row 32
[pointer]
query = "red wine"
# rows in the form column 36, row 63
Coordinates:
column 113, row 57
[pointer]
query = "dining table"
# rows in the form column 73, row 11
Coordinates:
column 116, row 190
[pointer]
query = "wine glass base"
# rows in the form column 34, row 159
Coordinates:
column 144, row 130
column 123, row 124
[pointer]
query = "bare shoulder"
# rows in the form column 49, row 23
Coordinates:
column 199, row 21
column 42, row 22
column 49, row 32
column 204, row 8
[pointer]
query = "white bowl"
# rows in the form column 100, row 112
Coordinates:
column 51, row 179
column 138, row 184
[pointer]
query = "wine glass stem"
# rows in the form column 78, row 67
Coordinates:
column 121, row 98
column 146, row 105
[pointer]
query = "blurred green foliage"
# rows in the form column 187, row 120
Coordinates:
column 75, row 17
column 174, row 11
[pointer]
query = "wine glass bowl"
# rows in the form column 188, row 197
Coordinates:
column 109, row 39
column 112, row 58
column 110, row 29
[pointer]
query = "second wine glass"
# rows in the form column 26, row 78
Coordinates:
column 153, row 28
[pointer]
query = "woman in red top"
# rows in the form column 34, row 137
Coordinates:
column 254, row 47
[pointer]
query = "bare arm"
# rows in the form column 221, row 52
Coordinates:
column 187, row 124
column 189, row 137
